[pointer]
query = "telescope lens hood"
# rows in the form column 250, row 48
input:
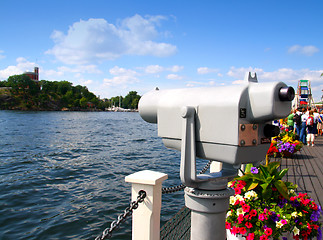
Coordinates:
column 286, row 94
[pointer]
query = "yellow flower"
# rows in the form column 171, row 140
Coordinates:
column 279, row 225
column 239, row 197
column 240, row 211
column 296, row 231
column 232, row 200
column 251, row 194
column 294, row 214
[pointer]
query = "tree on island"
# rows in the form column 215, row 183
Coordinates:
column 27, row 94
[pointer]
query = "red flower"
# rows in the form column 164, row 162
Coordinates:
column 249, row 225
column 313, row 206
column 243, row 230
column 251, row 236
column 305, row 201
column 253, row 213
column 268, row 231
column 263, row 237
column 237, row 191
column 240, row 218
column 315, row 226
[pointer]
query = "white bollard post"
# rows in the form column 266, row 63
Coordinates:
column 215, row 166
column 146, row 218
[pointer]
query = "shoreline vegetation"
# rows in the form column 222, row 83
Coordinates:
column 20, row 92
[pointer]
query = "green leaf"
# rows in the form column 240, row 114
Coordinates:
column 248, row 168
column 281, row 187
column 264, row 171
column 252, row 186
column 272, row 167
column 282, row 173
column 266, row 193
column 264, row 186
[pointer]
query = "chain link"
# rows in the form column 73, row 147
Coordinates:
column 182, row 186
column 107, row 233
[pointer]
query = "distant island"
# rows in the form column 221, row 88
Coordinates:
column 26, row 92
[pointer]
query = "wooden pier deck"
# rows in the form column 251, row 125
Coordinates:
column 306, row 170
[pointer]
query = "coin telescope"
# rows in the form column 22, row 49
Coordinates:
column 228, row 124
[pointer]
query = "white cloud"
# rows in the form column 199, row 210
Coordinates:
column 86, row 82
column 176, row 68
column 1, row 55
column 237, row 82
column 49, row 74
column 206, row 70
column 95, row 40
column 122, row 76
column 304, row 50
column 153, row 69
column 286, row 75
column 22, row 66
column 81, row 69
column 210, row 83
column 174, row 77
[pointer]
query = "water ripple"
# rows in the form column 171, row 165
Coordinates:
column 62, row 173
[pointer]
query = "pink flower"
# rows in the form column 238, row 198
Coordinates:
column 227, row 225
column 246, row 208
column 262, row 217
column 234, row 230
column 253, row 213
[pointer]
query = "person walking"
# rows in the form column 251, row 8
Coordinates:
column 290, row 121
column 311, row 129
column 302, row 135
column 298, row 120
column 320, row 124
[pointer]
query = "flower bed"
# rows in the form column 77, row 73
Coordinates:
column 265, row 207
column 285, row 144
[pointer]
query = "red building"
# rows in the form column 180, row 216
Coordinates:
column 33, row 75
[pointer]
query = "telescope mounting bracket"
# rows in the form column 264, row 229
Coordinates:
column 207, row 181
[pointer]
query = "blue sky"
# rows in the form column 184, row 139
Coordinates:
column 114, row 47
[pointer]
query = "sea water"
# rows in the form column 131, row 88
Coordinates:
column 62, row 173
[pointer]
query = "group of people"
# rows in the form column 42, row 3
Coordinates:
column 307, row 123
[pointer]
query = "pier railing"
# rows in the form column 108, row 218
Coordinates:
column 146, row 218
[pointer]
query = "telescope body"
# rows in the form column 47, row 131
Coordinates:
column 230, row 121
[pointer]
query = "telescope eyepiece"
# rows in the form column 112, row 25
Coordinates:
column 286, row 94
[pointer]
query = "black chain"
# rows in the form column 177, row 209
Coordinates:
column 182, row 186
column 107, row 233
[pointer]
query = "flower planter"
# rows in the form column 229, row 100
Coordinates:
column 271, row 214
column 234, row 237
column 285, row 154
column 239, row 237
